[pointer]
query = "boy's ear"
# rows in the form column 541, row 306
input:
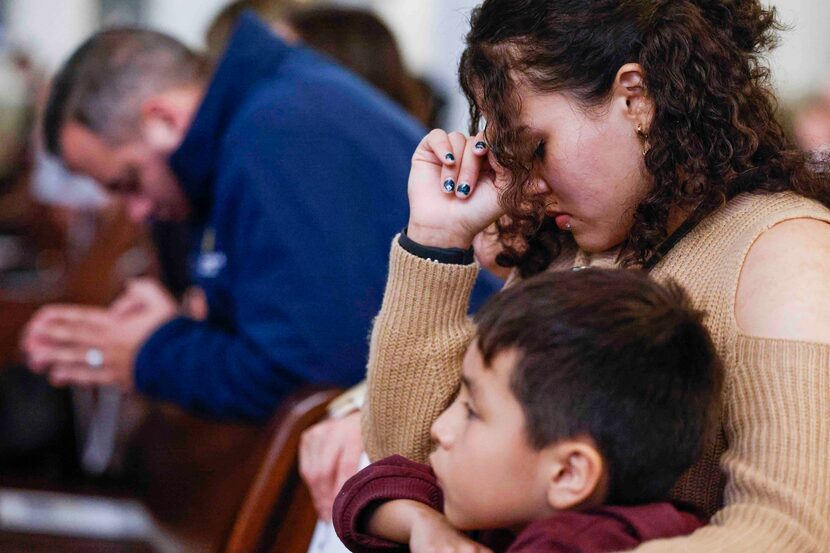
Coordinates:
column 575, row 474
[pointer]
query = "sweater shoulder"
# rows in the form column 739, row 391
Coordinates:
column 708, row 261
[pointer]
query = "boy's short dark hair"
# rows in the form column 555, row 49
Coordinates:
column 612, row 355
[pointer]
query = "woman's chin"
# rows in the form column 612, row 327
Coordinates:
column 591, row 243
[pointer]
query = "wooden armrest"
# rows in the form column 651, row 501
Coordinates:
column 277, row 513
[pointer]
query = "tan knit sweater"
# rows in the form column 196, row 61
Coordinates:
column 766, row 478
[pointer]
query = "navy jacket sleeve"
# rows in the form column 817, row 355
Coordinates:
column 204, row 368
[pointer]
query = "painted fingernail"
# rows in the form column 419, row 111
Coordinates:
column 449, row 185
column 464, row 189
column 480, row 145
column 449, row 157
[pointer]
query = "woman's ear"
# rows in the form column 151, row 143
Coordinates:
column 630, row 90
column 575, row 475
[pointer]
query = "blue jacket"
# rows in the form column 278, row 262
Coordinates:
column 296, row 171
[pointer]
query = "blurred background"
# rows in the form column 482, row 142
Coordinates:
column 429, row 33
column 174, row 481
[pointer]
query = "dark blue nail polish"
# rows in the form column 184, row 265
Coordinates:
column 449, row 185
column 480, row 145
column 449, row 157
column 464, row 189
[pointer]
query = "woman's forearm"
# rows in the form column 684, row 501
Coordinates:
column 418, row 342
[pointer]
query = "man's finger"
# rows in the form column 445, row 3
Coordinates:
column 76, row 314
column 124, row 305
column 58, row 356
column 145, row 290
column 65, row 334
column 79, row 375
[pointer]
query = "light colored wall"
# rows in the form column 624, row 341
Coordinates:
column 186, row 19
column 802, row 62
column 430, row 32
column 50, row 29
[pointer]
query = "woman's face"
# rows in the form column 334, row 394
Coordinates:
column 590, row 165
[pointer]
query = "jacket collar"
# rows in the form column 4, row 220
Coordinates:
column 254, row 54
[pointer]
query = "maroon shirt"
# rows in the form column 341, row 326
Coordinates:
column 600, row 530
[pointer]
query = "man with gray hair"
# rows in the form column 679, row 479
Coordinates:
column 291, row 173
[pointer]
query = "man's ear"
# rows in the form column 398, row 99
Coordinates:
column 575, row 475
column 166, row 117
column 629, row 90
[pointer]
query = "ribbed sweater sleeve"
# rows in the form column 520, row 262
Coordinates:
column 777, row 422
column 418, row 342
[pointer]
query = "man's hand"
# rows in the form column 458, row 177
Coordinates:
column 424, row 529
column 329, row 455
column 82, row 345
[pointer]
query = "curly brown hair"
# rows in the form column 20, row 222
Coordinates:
column 714, row 133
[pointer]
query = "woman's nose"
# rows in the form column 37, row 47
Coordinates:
column 541, row 186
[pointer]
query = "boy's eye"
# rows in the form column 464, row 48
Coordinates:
column 539, row 152
column 471, row 414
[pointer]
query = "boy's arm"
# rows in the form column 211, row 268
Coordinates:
column 393, row 503
column 410, row 522
column 366, row 515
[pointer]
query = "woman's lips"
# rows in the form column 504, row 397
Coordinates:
column 563, row 221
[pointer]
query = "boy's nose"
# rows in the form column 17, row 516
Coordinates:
column 441, row 433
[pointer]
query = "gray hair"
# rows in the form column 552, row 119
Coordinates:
column 105, row 81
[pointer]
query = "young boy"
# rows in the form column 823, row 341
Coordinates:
column 584, row 396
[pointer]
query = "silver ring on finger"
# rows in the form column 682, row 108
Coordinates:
column 94, row 357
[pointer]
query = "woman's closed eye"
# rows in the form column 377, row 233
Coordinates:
column 539, row 152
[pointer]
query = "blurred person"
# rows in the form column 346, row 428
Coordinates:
column 811, row 124
column 290, row 251
column 273, row 12
column 361, row 41
column 354, row 37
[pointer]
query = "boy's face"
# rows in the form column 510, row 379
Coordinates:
column 490, row 475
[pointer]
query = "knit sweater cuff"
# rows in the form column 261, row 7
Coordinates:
column 422, row 294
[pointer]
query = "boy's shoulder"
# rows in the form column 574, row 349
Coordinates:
column 605, row 529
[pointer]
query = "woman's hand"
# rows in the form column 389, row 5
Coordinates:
column 329, row 455
column 452, row 190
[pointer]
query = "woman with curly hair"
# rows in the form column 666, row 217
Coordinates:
column 641, row 134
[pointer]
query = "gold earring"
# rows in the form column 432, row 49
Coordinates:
column 643, row 136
